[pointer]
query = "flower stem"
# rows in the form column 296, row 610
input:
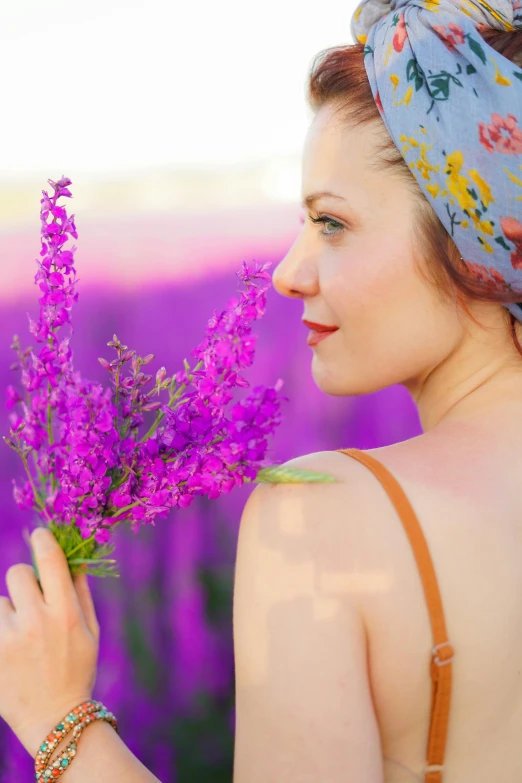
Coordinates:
column 37, row 498
column 160, row 416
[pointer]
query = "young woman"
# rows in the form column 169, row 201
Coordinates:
column 377, row 621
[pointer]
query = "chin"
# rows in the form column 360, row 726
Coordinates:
column 329, row 383
column 346, row 385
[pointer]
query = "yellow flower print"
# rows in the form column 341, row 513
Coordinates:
column 503, row 80
column 431, row 5
column 408, row 141
column 456, row 183
column 514, row 179
column 395, row 80
column 483, row 188
column 459, row 187
column 422, row 164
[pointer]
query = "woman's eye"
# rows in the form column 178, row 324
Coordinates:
column 325, row 220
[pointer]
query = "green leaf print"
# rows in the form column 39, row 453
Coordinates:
column 476, row 47
column 502, row 241
column 440, row 85
column 415, row 73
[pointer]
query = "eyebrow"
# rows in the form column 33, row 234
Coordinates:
column 312, row 197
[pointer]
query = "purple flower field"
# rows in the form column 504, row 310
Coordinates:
column 166, row 664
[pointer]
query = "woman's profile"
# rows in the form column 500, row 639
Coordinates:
column 377, row 619
column 369, row 650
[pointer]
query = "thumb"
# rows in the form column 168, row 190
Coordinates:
column 83, row 592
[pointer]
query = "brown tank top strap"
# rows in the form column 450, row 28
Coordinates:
column 442, row 652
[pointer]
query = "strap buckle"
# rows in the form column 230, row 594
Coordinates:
column 436, row 658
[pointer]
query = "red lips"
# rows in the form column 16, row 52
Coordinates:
column 320, row 327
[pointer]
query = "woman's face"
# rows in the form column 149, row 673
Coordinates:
column 361, row 276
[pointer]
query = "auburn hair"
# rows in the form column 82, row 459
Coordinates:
column 338, row 79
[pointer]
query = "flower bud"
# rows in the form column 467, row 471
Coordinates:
column 161, row 375
column 105, row 364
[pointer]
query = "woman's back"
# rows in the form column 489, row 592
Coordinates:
column 466, row 496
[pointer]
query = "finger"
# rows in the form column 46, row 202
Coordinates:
column 23, row 589
column 53, row 569
column 6, row 608
column 86, row 603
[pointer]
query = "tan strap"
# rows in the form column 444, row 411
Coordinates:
column 442, row 652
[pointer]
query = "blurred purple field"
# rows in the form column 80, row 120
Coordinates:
column 166, row 662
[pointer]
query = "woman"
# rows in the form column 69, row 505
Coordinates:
column 374, row 643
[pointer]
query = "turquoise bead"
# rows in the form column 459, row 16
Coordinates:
column 65, row 762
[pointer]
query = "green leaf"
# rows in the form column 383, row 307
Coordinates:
column 470, row 69
column 279, row 474
column 518, row 75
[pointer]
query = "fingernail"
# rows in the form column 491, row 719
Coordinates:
column 43, row 539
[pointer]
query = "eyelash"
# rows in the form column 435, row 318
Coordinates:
column 325, row 219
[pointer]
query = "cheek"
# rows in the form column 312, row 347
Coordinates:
column 393, row 325
column 363, row 280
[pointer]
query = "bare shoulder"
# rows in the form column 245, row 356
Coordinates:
column 300, row 644
column 332, row 526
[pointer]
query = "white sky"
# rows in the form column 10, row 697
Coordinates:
column 106, row 86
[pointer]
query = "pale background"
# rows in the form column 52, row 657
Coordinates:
column 181, row 125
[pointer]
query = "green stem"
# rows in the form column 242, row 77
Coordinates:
column 122, row 510
column 91, row 538
column 160, row 416
column 76, row 548
column 37, row 498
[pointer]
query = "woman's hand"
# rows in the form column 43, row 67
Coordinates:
column 48, row 643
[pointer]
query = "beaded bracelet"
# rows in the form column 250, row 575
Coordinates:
column 75, row 721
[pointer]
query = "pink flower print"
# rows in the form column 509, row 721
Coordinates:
column 400, row 34
column 502, row 135
column 512, row 229
column 452, row 37
column 491, row 277
column 378, row 102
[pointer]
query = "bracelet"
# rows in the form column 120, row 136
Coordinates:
column 60, row 730
column 75, row 721
column 63, row 760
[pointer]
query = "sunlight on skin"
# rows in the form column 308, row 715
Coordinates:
column 326, row 589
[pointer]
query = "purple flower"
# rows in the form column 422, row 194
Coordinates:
column 92, row 470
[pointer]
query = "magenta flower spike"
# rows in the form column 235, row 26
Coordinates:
column 88, row 467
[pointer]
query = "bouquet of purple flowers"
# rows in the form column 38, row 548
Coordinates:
column 88, row 467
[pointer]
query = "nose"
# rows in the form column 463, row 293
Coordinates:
column 296, row 274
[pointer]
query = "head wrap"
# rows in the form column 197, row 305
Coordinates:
column 453, row 107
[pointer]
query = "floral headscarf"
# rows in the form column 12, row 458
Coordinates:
column 453, row 107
